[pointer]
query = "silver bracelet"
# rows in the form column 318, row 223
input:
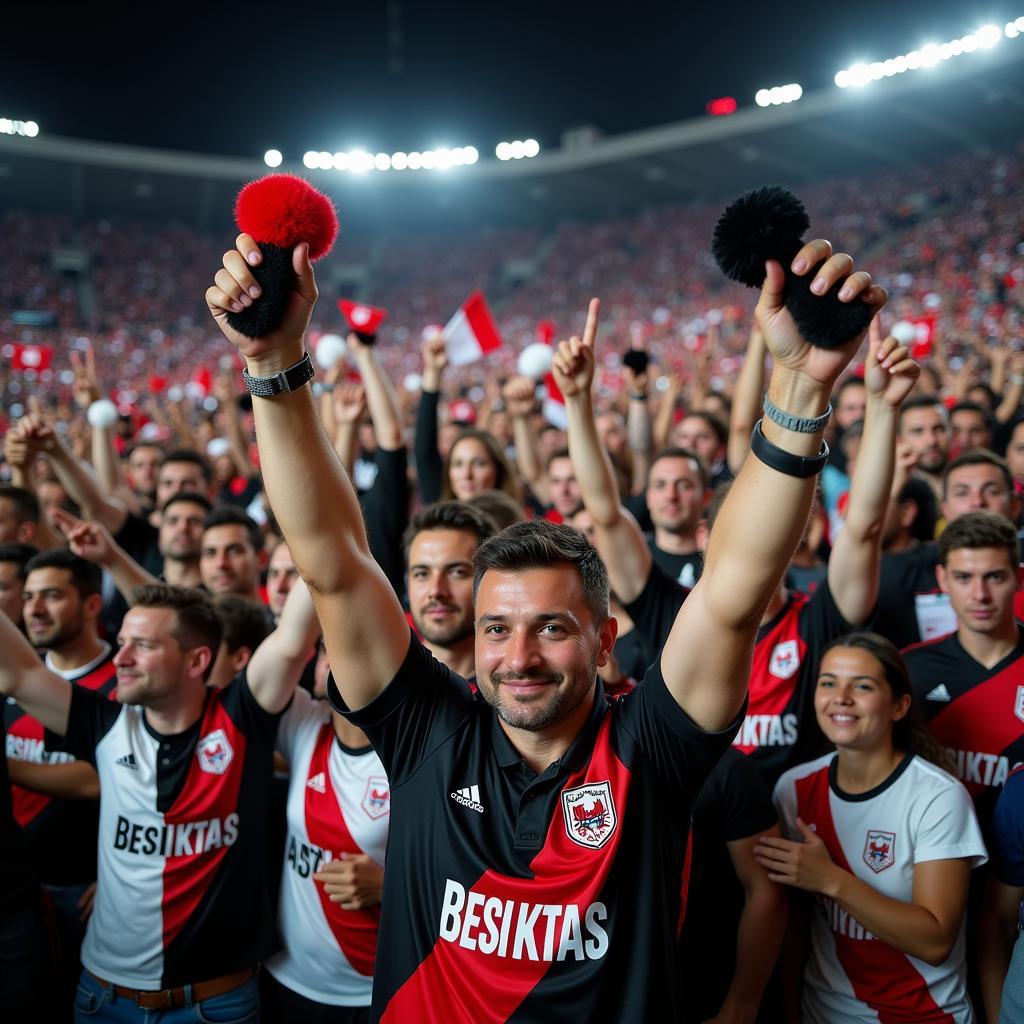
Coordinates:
column 798, row 424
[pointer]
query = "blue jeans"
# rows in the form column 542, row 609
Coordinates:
column 93, row 1002
column 1011, row 1010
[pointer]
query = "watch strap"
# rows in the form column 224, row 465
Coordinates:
column 290, row 379
column 786, row 462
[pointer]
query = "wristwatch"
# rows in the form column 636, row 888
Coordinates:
column 290, row 379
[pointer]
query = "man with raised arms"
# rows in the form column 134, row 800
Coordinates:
column 520, row 812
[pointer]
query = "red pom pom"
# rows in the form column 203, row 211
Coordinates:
column 284, row 210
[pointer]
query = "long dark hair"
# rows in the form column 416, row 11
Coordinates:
column 505, row 477
column 909, row 734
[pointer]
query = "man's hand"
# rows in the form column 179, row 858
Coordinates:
column 573, row 365
column 36, row 433
column 224, row 389
column 435, row 361
column 88, row 540
column 520, row 396
column 235, row 289
column 17, row 450
column 349, row 402
column 785, row 343
column 805, row 865
column 353, row 880
column 889, row 372
column 86, row 388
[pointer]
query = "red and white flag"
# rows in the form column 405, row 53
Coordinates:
column 553, row 406
column 925, row 327
column 471, row 333
column 31, row 357
column 360, row 317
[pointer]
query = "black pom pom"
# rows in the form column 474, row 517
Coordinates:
column 637, row 360
column 276, row 278
column 823, row 320
column 364, row 338
column 766, row 224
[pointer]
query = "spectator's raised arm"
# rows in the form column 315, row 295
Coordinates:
column 312, row 497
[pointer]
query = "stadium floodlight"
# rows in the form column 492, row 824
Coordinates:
column 429, row 159
column 324, row 160
column 359, row 161
column 273, row 158
column 415, row 161
column 311, row 159
column 518, row 149
column 340, row 161
column 988, row 36
column 443, row 158
column 10, row 126
column 531, row 148
column 31, row 129
column 399, row 161
column 471, row 153
column 503, row 151
column 778, row 95
column 382, row 162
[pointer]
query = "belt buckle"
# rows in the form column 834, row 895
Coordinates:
column 167, row 996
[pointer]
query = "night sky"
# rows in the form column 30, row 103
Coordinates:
column 240, row 78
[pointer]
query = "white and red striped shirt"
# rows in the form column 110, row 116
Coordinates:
column 339, row 801
column 920, row 813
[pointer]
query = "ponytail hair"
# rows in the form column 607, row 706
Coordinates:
column 909, row 734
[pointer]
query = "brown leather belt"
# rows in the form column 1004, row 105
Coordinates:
column 174, row 998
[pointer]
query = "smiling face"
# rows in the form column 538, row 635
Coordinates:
column 440, row 585
column 471, row 469
column 853, row 701
column 537, row 645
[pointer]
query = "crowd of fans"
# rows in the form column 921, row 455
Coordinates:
column 883, row 784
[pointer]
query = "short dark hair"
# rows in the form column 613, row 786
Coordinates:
column 852, row 381
column 449, row 515
column 920, row 493
column 191, row 496
column 978, row 457
column 980, row 529
column 26, row 504
column 680, row 453
column 558, row 453
column 721, row 431
column 968, row 406
column 143, row 444
column 230, row 515
column 189, row 455
column 197, row 623
column 86, row 578
column 537, row 544
column 244, row 621
column 20, row 555
column 921, row 402
column 499, row 506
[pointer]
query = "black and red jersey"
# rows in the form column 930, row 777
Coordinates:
column 62, row 833
column 780, row 728
column 182, row 894
column 510, row 896
column 977, row 713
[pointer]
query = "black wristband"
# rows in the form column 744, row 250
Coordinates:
column 786, row 462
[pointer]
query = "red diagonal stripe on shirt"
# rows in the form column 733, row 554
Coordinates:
column 983, row 720
column 188, row 876
column 879, row 975
column 458, row 984
column 355, row 931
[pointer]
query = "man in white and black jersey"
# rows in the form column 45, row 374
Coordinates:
column 181, row 916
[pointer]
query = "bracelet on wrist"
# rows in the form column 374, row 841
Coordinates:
column 637, row 396
column 798, row 424
column 786, row 462
column 290, row 379
column 1015, row 378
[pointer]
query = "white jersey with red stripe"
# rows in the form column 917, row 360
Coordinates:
column 920, row 813
column 339, row 801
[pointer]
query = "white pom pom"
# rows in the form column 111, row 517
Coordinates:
column 218, row 446
column 904, row 332
column 932, row 301
column 102, row 413
column 175, row 394
column 535, row 360
column 329, row 349
column 195, row 390
column 431, row 331
column 713, row 317
column 227, row 362
column 412, row 382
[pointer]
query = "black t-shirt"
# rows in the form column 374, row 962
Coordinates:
column 181, row 894
column 386, row 512
column 684, row 569
column 61, row 833
column 141, row 540
column 18, row 887
column 734, row 804
column 780, row 728
column 909, row 597
column 632, row 655
column 977, row 713
column 511, row 896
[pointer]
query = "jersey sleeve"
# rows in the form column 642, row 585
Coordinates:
column 655, row 609
column 303, row 713
column 681, row 754
column 413, row 715
column 742, row 803
column 1008, row 832
column 821, row 619
column 246, row 712
column 948, row 828
column 90, row 717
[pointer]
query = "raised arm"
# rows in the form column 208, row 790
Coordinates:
column 855, row 564
column 315, row 504
column 619, row 540
column 381, row 399
column 274, row 670
column 25, row 679
column 519, row 394
column 226, row 393
column 706, row 660
column 349, row 406
column 429, row 467
column 20, row 455
column 746, row 401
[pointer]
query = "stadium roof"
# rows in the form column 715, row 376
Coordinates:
column 975, row 105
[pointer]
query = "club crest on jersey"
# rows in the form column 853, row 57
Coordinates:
column 785, row 659
column 214, row 753
column 590, row 817
column 377, row 798
column 880, row 850
column 1018, row 704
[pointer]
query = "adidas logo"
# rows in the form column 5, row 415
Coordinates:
column 128, row 761
column 318, row 783
column 469, row 797
column 939, row 693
